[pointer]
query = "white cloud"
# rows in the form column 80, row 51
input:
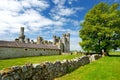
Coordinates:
column 40, row 4
column 59, row 2
column 17, row 13
column 60, row 10
column 11, row 17
column 75, row 43
column 66, row 12
column 10, row 5
column 71, row 1
column 55, row 1
column 16, row 6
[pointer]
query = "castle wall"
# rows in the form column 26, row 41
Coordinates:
column 25, row 52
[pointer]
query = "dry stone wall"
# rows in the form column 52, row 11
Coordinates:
column 44, row 71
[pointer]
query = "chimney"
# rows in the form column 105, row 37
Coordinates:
column 27, row 40
column 32, row 41
column 39, row 40
column 16, row 40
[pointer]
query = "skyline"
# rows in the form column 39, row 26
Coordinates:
column 45, row 18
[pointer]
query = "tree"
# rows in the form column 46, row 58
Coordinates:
column 101, row 28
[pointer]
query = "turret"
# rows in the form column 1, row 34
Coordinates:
column 68, row 42
column 39, row 40
column 54, row 39
column 45, row 42
column 16, row 40
column 49, row 42
column 27, row 40
column 21, row 35
column 32, row 41
column 64, row 38
column 64, row 42
column 67, row 34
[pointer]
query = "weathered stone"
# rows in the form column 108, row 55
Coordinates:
column 0, row 76
column 15, row 68
column 16, row 76
column 36, row 66
column 24, row 68
column 7, row 77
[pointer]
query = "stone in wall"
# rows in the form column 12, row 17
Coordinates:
column 94, row 57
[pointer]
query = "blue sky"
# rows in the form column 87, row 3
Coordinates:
column 44, row 18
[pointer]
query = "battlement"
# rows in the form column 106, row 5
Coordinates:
column 62, row 42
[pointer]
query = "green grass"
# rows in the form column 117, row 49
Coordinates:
column 114, row 53
column 21, row 61
column 107, row 68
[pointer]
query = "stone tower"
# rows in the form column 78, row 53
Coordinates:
column 66, row 42
column 63, row 43
column 21, row 35
column 54, row 40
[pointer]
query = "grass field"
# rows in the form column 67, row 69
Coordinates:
column 115, row 53
column 21, row 61
column 107, row 68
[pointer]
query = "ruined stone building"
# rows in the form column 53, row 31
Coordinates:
column 23, row 47
column 63, row 43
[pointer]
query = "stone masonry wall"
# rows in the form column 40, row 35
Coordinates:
column 25, row 52
column 44, row 71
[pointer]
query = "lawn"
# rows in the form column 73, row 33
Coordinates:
column 21, row 61
column 107, row 68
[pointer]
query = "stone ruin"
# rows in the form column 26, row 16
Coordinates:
column 63, row 43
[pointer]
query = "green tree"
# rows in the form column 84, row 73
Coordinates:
column 101, row 28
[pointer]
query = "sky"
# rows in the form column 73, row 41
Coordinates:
column 45, row 18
